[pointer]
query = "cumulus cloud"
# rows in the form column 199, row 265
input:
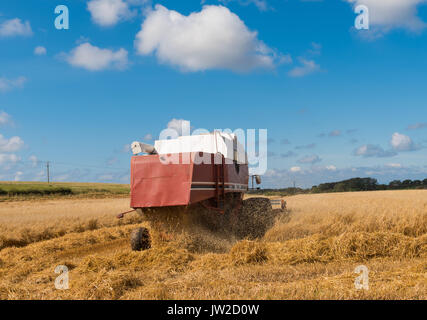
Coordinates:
column 40, row 51
column 9, row 84
column 370, row 151
column 401, row 142
column 10, row 145
column 15, row 27
column 214, row 38
column 107, row 13
column 389, row 14
column 92, row 58
column 310, row 159
column 306, row 67
column 331, row 168
column 5, row 118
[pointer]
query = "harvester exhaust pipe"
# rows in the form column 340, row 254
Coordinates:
column 139, row 147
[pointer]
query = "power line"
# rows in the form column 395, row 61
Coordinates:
column 88, row 166
column 43, row 162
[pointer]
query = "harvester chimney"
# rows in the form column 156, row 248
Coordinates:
column 139, row 147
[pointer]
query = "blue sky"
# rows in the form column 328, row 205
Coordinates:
column 337, row 102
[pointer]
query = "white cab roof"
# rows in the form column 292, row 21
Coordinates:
column 215, row 142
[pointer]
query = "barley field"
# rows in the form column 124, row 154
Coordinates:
column 310, row 253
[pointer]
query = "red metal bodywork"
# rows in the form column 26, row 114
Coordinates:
column 155, row 184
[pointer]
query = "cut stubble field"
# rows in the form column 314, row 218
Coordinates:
column 310, row 253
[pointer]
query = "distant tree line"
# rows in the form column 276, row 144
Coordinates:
column 355, row 184
column 368, row 184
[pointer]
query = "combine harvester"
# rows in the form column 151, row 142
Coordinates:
column 203, row 177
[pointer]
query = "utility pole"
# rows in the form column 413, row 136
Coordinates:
column 47, row 170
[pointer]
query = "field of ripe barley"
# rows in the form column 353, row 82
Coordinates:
column 310, row 253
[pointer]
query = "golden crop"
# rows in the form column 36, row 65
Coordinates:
column 310, row 253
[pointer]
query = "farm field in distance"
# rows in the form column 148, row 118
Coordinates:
column 310, row 253
column 12, row 191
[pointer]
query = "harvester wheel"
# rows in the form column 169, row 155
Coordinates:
column 140, row 239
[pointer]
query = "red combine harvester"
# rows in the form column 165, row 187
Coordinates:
column 207, row 174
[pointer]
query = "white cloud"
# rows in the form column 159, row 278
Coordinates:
column 270, row 173
column 295, row 169
column 95, row 59
column 213, row 38
column 6, row 158
column 5, row 118
column 40, row 51
column 262, row 5
column 15, row 27
column 401, row 142
column 107, row 13
column 307, row 67
column 18, row 175
column 331, row 168
column 388, row 14
column 416, row 126
column 369, row 151
column 310, row 159
column 394, row 165
column 34, row 160
column 316, row 49
column 285, row 59
column 9, row 84
column 10, row 145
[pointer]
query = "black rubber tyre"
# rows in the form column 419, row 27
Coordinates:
column 140, row 239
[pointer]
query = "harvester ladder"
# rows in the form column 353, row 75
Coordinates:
column 219, row 176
